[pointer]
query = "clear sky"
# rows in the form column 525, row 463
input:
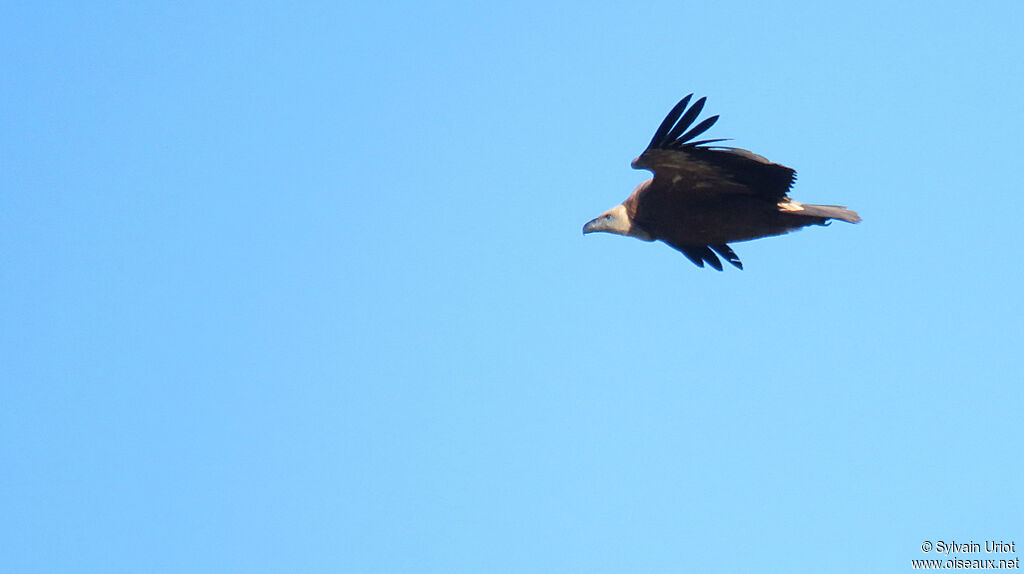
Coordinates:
column 303, row 289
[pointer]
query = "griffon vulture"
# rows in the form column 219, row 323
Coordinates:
column 704, row 197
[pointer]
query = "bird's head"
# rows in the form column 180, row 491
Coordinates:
column 615, row 220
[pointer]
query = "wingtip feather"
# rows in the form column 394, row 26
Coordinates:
column 670, row 134
column 669, row 121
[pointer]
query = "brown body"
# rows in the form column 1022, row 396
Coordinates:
column 702, row 198
column 710, row 219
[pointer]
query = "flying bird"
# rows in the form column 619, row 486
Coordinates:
column 703, row 197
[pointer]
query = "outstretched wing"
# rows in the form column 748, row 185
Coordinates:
column 683, row 165
column 699, row 254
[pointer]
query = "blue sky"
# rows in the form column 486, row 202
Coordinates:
column 303, row 289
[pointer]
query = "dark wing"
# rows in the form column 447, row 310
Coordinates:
column 701, row 253
column 686, row 166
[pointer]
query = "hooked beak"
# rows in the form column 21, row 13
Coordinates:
column 591, row 226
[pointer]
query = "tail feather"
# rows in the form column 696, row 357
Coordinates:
column 830, row 212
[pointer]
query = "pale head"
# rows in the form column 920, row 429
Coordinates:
column 615, row 220
column 618, row 219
